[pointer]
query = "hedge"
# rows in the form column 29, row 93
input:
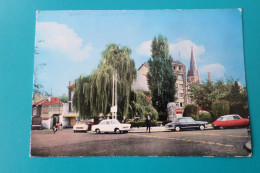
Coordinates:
column 143, row 123
column 190, row 109
column 219, row 108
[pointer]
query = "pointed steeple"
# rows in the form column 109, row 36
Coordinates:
column 193, row 71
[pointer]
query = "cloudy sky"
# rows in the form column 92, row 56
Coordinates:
column 71, row 42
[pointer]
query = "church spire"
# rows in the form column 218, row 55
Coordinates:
column 193, row 71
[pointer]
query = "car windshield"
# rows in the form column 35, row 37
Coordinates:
column 220, row 119
column 236, row 117
column 80, row 123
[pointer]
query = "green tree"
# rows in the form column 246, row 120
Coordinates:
column 161, row 79
column 93, row 93
column 206, row 93
column 139, row 105
column 64, row 98
column 190, row 109
column 219, row 108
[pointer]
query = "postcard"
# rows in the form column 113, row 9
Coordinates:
column 140, row 83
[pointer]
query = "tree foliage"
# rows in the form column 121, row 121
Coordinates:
column 93, row 93
column 219, row 108
column 139, row 105
column 190, row 109
column 161, row 79
column 64, row 98
column 206, row 93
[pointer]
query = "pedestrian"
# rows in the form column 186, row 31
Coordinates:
column 124, row 120
column 148, row 123
column 55, row 128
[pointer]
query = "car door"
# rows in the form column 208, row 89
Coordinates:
column 230, row 122
column 182, row 123
column 191, row 123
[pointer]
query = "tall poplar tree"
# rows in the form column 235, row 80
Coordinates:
column 93, row 94
column 161, row 79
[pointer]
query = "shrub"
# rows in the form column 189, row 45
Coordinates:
column 204, row 116
column 190, row 110
column 219, row 108
column 239, row 109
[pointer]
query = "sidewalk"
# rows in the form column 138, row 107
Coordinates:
column 157, row 129
column 153, row 129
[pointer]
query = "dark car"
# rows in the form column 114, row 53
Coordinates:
column 186, row 122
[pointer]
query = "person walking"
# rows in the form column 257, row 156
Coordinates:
column 55, row 128
column 148, row 123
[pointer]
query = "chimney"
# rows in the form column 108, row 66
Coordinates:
column 209, row 77
column 69, row 83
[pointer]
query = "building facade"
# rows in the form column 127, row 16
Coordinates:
column 50, row 110
column 179, row 70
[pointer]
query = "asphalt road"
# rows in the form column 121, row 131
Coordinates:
column 224, row 143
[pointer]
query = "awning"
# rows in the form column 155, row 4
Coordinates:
column 70, row 115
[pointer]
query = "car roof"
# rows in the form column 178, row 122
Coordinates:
column 229, row 115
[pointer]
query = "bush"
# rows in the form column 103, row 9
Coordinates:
column 143, row 123
column 239, row 109
column 190, row 109
column 205, row 116
column 219, row 108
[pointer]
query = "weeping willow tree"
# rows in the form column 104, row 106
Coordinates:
column 93, row 93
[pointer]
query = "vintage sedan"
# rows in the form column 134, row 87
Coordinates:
column 184, row 123
column 111, row 125
column 230, row 121
column 82, row 126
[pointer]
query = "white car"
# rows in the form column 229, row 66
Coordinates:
column 111, row 125
column 80, row 126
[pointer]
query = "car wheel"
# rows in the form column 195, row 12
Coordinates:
column 221, row 128
column 202, row 127
column 177, row 129
column 97, row 131
column 117, row 131
column 216, row 127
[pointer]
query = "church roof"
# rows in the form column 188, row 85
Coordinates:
column 193, row 71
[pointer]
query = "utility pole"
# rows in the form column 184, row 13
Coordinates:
column 114, row 96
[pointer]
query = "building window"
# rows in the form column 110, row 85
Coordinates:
column 176, row 85
column 181, row 95
column 45, row 110
column 180, row 77
column 177, row 104
column 176, row 95
column 180, row 67
column 181, row 105
column 174, row 67
column 34, row 111
column 180, row 85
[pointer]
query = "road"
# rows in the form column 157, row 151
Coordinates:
column 224, row 143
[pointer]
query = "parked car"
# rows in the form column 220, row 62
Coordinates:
column 82, row 126
column 230, row 121
column 186, row 122
column 111, row 125
column 136, row 118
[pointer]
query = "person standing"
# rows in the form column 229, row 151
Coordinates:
column 124, row 120
column 148, row 123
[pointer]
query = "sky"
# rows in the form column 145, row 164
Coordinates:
column 70, row 43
